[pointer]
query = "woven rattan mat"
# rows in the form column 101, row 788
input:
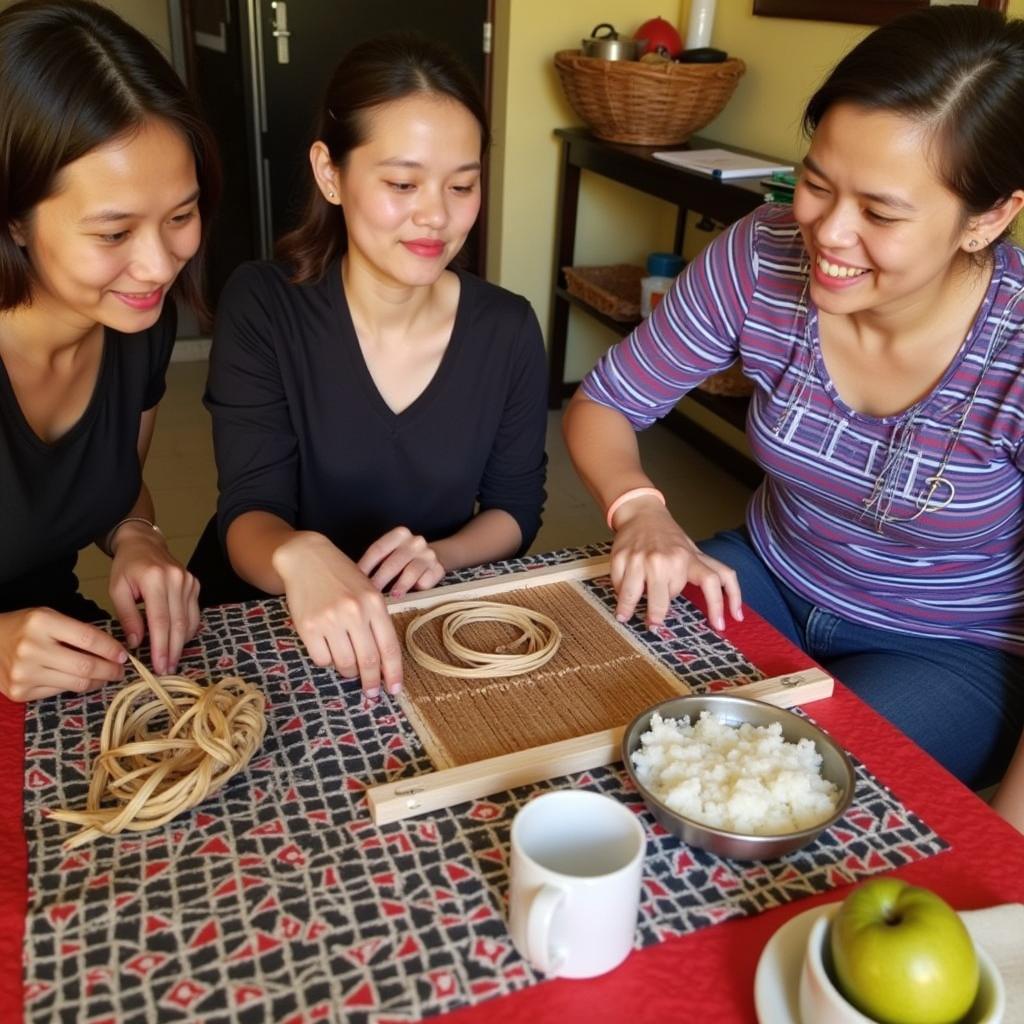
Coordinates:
column 599, row 679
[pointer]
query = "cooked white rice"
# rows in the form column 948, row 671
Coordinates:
column 737, row 778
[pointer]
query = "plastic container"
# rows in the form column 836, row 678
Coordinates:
column 702, row 18
column 662, row 268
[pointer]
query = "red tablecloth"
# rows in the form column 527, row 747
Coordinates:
column 707, row 975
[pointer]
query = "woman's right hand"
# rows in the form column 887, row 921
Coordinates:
column 43, row 653
column 651, row 555
column 339, row 614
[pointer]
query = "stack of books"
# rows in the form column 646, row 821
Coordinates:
column 780, row 187
column 723, row 164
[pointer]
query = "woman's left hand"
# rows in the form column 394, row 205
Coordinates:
column 145, row 570
column 404, row 557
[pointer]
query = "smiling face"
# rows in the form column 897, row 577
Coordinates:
column 411, row 193
column 120, row 225
column 882, row 231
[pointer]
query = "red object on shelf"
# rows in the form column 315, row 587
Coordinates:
column 660, row 33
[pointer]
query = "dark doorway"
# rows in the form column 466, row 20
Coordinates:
column 259, row 68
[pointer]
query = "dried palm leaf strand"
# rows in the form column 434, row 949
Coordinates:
column 539, row 632
column 167, row 744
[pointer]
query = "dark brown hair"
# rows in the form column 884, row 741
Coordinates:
column 371, row 74
column 959, row 71
column 74, row 76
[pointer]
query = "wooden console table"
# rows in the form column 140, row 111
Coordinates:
column 724, row 202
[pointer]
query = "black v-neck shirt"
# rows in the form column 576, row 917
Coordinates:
column 56, row 499
column 301, row 431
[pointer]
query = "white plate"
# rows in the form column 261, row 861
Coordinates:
column 777, row 981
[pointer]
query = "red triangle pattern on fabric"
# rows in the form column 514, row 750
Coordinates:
column 61, row 913
column 214, row 846
column 207, row 933
column 410, row 947
column 364, row 997
column 259, row 944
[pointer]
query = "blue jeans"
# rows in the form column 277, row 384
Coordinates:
column 962, row 702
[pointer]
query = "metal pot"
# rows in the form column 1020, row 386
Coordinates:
column 610, row 45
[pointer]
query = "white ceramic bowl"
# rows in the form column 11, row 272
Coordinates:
column 821, row 1001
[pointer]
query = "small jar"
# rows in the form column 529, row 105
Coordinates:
column 662, row 268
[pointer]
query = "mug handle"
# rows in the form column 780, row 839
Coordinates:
column 538, row 930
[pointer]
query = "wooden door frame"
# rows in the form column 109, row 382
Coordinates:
column 184, row 59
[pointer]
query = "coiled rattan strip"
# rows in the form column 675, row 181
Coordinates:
column 167, row 744
column 539, row 632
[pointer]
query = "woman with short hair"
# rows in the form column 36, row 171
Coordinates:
column 107, row 178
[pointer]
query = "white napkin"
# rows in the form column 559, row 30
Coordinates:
column 1000, row 930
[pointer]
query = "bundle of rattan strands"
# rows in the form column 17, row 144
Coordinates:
column 538, row 632
column 167, row 744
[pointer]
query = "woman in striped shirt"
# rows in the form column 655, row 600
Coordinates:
column 881, row 320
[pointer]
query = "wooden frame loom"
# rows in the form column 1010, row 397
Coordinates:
column 445, row 787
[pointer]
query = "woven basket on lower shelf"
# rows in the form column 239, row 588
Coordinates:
column 615, row 291
column 646, row 104
column 612, row 290
column 731, row 383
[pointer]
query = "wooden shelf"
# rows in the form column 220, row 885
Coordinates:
column 730, row 408
column 722, row 201
column 622, row 326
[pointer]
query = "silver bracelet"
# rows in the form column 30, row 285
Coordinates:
column 109, row 539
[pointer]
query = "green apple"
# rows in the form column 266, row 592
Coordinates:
column 902, row 955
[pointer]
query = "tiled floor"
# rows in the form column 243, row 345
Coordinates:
column 183, row 481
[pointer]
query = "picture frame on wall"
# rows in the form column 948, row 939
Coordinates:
column 861, row 12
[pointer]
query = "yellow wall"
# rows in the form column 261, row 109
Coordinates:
column 148, row 16
column 785, row 60
column 615, row 224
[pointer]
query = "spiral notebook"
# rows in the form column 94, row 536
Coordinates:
column 721, row 163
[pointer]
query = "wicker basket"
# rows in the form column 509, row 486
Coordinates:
column 646, row 104
column 730, row 382
column 613, row 290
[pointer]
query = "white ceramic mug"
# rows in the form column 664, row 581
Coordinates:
column 577, row 859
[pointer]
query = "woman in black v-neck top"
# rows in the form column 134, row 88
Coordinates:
column 107, row 176
column 378, row 419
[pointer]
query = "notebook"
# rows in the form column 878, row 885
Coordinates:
column 721, row 163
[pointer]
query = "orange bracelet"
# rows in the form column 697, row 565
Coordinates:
column 636, row 492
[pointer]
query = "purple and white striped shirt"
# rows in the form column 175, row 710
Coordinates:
column 911, row 522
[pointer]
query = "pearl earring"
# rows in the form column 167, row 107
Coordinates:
column 330, row 194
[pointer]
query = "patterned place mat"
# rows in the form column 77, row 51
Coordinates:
column 279, row 900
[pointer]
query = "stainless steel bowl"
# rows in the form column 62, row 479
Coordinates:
column 835, row 767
